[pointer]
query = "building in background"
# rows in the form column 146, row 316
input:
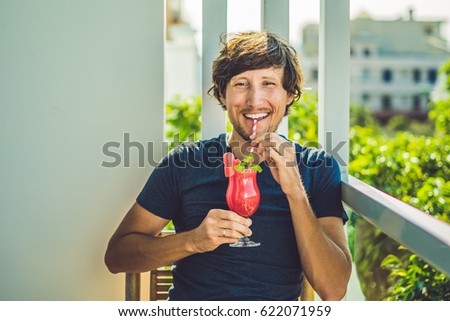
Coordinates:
column 394, row 64
column 182, row 61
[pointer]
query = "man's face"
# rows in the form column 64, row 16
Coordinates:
column 256, row 94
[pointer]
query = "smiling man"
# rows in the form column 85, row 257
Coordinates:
column 300, row 218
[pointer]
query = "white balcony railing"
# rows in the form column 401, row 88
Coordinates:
column 423, row 234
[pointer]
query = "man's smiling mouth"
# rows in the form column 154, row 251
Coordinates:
column 258, row 116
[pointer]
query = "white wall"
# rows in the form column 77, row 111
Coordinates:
column 73, row 76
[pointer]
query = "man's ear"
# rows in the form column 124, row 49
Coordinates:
column 290, row 99
column 222, row 102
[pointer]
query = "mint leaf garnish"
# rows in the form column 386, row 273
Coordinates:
column 256, row 167
column 247, row 163
column 248, row 159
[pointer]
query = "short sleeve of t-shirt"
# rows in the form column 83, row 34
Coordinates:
column 160, row 193
column 326, row 199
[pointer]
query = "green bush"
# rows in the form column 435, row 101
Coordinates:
column 303, row 121
column 360, row 115
column 440, row 113
column 415, row 279
column 183, row 119
column 415, row 169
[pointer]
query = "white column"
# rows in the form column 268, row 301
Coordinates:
column 275, row 18
column 214, row 25
column 334, row 80
column 334, row 93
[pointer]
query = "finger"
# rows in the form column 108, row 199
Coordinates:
column 232, row 216
column 233, row 229
column 274, row 159
column 229, row 240
column 232, row 221
column 275, row 141
column 283, row 147
column 283, row 166
column 268, row 137
column 282, row 154
column 228, row 237
column 264, row 137
column 233, row 234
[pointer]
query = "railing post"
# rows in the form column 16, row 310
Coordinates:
column 214, row 17
column 334, row 80
column 275, row 18
column 132, row 286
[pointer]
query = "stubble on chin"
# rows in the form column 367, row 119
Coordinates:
column 242, row 133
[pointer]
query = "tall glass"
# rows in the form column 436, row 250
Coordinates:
column 243, row 198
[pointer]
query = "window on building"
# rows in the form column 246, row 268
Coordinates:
column 367, row 52
column 387, row 75
column 428, row 30
column 315, row 74
column 352, row 52
column 416, row 102
column 417, row 75
column 365, row 74
column 432, row 76
column 386, row 102
column 365, row 98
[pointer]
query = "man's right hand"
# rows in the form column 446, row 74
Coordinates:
column 219, row 227
column 135, row 247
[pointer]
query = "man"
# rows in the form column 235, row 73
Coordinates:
column 299, row 222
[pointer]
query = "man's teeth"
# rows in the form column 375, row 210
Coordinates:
column 256, row 116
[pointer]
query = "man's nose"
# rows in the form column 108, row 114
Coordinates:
column 255, row 97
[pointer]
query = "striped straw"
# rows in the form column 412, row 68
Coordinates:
column 255, row 121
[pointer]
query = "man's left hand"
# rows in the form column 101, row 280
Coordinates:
column 279, row 155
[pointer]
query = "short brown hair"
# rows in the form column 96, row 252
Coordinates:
column 256, row 50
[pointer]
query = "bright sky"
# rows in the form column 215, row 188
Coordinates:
column 244, row 14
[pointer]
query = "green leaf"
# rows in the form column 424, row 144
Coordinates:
column 248, row 159
column 256, row 167
column 239, row 167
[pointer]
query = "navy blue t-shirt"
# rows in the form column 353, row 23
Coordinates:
column 190, row 181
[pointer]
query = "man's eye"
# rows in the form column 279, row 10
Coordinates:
column 240, row 84
column 269, row 83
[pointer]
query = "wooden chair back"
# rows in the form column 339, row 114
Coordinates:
column 160, row 282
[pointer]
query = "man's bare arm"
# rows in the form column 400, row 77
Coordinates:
column 136, row 247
